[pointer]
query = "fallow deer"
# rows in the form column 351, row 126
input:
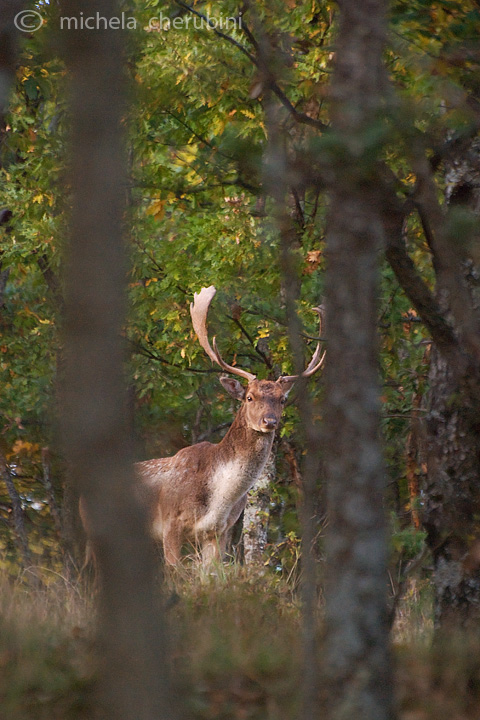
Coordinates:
column 198, row 494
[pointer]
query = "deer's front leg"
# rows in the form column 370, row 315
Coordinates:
column 172, row 543
column 213, row 547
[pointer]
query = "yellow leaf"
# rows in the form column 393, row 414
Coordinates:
column 24, row 446
column 43, row 321
column 157, row 209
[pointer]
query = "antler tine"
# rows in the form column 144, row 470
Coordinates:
column 230, row 368
column 198, row 311
column 318, row 358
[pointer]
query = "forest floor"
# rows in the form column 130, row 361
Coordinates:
column 237, row 652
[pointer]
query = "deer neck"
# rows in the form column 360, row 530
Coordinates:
column 240, row 459
column 239, row 430
column 246, row 448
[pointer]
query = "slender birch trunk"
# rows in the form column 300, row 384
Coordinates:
column 256, row 515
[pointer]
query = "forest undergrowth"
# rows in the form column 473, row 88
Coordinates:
column 235, row 647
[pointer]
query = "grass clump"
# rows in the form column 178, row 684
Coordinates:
column 239, row 638
column 46, row 659
column 235, row 650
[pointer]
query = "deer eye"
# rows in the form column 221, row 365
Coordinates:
column 249, row 398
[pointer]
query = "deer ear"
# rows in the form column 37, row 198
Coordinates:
column 233, row 387
column 286, row 385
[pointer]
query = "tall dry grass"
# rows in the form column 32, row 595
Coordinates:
column 234, row 648
column 46, row 656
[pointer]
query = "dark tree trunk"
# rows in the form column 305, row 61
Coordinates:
column 451, row 508
column 357, row 657
column 9, row 37
column 134, row 657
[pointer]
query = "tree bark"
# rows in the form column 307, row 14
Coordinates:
column 131, row 637
column 278, row 180
column 452, row 494
column 20, row 532
column 256, row 515
column 414, row 459
column 452, row 499
column 357, row 658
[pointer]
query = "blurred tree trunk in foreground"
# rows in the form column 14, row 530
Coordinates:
column 357, row 657
column 9, row 36
column 133, row 658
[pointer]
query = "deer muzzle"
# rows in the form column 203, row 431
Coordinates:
column 269, row 422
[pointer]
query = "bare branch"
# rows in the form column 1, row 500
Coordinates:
column 146, row 352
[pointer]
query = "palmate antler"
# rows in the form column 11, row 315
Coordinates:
column 199, row 311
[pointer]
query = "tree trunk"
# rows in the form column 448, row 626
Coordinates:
column 414, row 458
column 356, row 658
column 19, row 530
column 131, row 637
column 452, row 499
column 451, row 509
column 256, row 515
column 9, row 38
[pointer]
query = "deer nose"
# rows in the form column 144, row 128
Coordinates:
column 270, row 422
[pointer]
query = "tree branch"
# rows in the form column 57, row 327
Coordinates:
column 420, row 296
column 226, row 37
column 448, row 264
column 50, row 278
column 415, row 287
column 250, row 339
column 200, row 138
column 299, row 117
column 142, row 350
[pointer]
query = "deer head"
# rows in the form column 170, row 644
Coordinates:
column 263, row 399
